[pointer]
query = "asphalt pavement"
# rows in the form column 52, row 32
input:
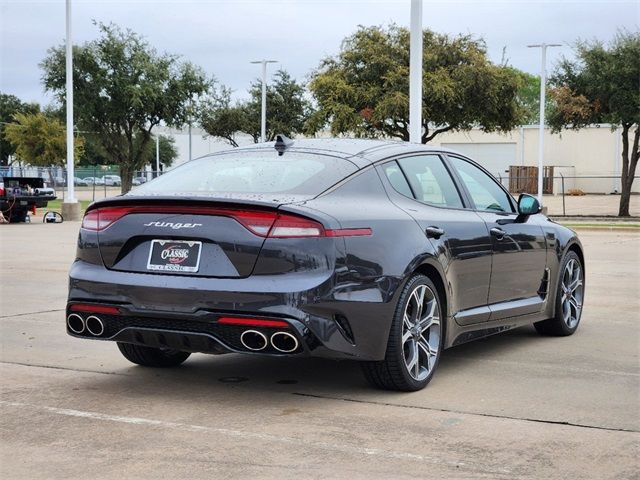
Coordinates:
column 512, row 406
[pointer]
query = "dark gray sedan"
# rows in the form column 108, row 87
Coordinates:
column 376, row 251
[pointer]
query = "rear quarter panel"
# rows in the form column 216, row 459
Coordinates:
column 369, row 278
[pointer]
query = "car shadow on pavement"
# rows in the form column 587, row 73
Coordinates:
column 202, row 375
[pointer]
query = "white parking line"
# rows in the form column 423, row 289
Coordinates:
column 481, row 470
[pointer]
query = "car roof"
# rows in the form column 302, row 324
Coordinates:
column 360, row 151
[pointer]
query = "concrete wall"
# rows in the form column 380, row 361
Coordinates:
column 592, row 151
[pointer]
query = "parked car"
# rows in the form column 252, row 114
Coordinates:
column 89, row 181
column 140, row 180
column 59, row 181
column 135, row 182
column 78, row 181
column 378, row 251
column 112, row 180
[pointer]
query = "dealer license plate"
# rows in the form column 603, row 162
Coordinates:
column 174, row 256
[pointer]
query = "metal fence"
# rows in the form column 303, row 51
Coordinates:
column 92, row 183
column 566, row 195
column 576, row 195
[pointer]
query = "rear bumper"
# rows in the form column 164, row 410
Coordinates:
column 197, row 332
column 327, row 320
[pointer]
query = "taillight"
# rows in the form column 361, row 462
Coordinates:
column 256, row 222
column 101, row 218
column 269, row 224
column 292, row 226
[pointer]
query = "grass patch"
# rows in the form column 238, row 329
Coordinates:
column 56, row 205
column 602, row 225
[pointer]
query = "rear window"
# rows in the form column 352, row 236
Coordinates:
column 253, row 172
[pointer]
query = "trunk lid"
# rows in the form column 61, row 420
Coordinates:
column 181, row 236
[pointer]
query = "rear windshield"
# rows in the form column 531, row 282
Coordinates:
column 253, row 172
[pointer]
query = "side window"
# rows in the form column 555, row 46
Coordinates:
column 484, row 190
column 396, row 178
column 430, row 181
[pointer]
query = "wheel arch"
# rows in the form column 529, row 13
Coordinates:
column 432, row 270
column 575, row 246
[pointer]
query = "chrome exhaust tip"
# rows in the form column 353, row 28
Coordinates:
column 253, row 340
column 75, row 323
column 94, row 326
column 284, row 342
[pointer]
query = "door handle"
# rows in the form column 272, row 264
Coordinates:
column 434, row 232
column 498, row 233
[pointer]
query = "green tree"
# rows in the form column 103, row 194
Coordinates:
column 11, row 105
column 529, row 97
column 40, row 140
column 287, row 111
column 123, row 88
column 602, row 85
column 168, row 152
column 222, row 119
column 364, row 90
column 287, row 107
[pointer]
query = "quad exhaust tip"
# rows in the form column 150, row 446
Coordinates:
column 254, row 340
column 284, row 342
column 94, row 326
column 75, row 323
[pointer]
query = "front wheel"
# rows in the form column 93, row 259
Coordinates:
column 569, row 300
column 415, row 340
column 152, row 357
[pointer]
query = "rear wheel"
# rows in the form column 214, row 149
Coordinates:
column 569, row 299
column 415, row 340
column 152, row 357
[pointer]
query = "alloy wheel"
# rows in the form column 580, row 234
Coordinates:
column 421, row 332
column 572, row 293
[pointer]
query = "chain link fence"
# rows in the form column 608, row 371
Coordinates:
column 92, row 183
column 564, row 195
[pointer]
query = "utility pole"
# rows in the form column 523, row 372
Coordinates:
column 415, row 73
column 543, row 88
column 263, row 117
column 70, row 206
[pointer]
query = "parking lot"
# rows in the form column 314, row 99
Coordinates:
column 511, row 406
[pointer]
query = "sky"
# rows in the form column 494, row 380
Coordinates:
column 223, row 36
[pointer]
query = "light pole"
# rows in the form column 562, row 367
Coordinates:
column 415, row 73
column 263, row 117
column 157, row 155
column 543, row 88
column 70, row 206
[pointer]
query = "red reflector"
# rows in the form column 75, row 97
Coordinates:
column 253, row 322
column 349, row 232
column 79, row 307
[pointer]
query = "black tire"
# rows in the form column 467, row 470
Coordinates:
column 393, row 373
column 152, row 357
column 18, row 216
column 560, row 325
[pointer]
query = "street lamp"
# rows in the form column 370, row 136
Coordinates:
column 415, row 73
column 158, row 155
column 543, row 88
column 263, row 118
column 70, row 206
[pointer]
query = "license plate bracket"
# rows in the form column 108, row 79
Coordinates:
column 174, row 256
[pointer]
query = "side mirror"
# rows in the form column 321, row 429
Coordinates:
column 528, row 205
